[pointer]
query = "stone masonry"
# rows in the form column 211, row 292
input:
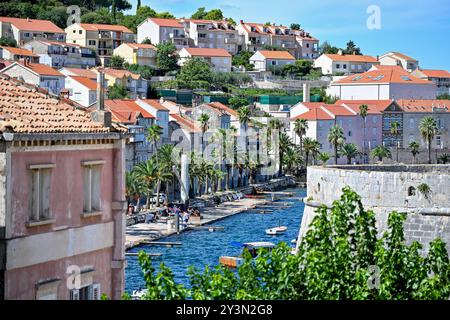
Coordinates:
column 385, row 188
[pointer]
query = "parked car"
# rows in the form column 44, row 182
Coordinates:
column 162, row 198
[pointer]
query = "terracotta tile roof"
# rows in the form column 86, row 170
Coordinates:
column 64, row 44
column 40, row 69
column 24, row 109
column 339, row 110
column 384, row 74
column 120, row 73
column 375, row 106
column 5, row 63
column 259, row 28
column 82, row 72
column 141, row 46
column 33, row 25
column 423, row 105
column 351, row 58
column 174, row 23
column 185, row 123
column 104, row 27
column 126, row 111
column 88, row 83
column 304, row 35
column 401, row 56
column 280, row 55
column 221, row 106
column 207, row 52
column 20, row 51
column 436, row 73
column 155, row 103
column 314, row 114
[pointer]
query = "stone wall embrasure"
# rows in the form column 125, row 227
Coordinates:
column 385, row 188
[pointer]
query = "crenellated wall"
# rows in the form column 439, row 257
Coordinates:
column 385, row 188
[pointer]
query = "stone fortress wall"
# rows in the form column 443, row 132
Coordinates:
column 383, row 189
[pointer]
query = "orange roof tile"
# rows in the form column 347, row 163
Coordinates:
column 20, row 51
column 126, row 111
column 104, row 27
column 314, row 114
column 339, row 110
column 207, row 52
column 402, row 56
column 280, row 55
column 422, row 105
column 174, row 23
column 82, row 72
column 351, row 58
column 185, row 123
column 120, row 73
column 24, row 109
column 88, row 83
column 436, row 73
column 33, row 25
column 57, row 43
column 155, row 103
column 383, row 74
column 141, row 46
column 374, row 106
column 41, row 69
column 221, row 106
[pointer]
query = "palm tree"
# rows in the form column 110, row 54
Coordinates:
column 169, row 158
column 414, row 148
column 315, row 150
column 428, row 128
column 395, row 130
column 291, row 159
column 274, row 126
column 444, row 158
column 154, row 133
column 204, row 125
column 350, row 150
column 300, row 127
column 381, row 152
column 221, row 135
column 336, row 138
column 148, row 173
column 363, row 111
column 285, row 144
column 324, row 157
column 244, row 116
column 309, row 144
column 133, row 187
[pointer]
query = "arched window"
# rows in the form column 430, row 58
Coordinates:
column 411, row 191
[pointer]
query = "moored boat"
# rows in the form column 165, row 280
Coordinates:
column 276, row 230
column 252, row 247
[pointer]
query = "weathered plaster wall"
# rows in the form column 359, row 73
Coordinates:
column 385, row 189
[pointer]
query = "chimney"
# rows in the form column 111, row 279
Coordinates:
column 340, row 52
column 306, row 93
column 161, row 100
column 99, row 114
column 100, row 90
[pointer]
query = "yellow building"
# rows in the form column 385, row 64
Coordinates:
column 134, row 53
column 135, row 84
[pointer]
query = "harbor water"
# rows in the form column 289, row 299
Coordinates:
column 202, row 247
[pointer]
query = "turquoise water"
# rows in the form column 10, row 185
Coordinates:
column 201, row 247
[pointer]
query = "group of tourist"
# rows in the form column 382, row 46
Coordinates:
column 173, row 211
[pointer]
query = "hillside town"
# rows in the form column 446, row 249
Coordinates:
column 103, row 126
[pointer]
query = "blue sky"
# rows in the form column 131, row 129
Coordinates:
column 418, row 28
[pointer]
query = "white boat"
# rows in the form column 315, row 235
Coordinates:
column 276, row 230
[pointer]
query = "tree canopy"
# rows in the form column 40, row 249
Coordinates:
column 339, row 258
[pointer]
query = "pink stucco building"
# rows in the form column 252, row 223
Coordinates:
column 62, row 203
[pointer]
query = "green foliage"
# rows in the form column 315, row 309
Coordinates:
column 324, row 157
column 223, row 80
column 424, row 189
column 444, row 158
column 8, row 42
column 380, row 152
column 213, row 14
column 101, row 15
column 295, row 26
column 337, row 259
column 428, row 129
column 444, row 96
column 146, row 72
column 414, row 148
column 237, row 102
column 117, row 92
column 350, row 151
column 352, row 48
column 116, row 62
column 301, row 68
column 243, row 59
column 326, row 47
column 166, row 57
column 195, row 73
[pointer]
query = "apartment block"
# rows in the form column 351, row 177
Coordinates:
column 163, row 31
column 441, row 78
column 219, row 59
column 62, row 54
column 16, row 54
column 134, row 53
column 102, row 38
column 346, row 64
column 399, row 59
column 24, row 30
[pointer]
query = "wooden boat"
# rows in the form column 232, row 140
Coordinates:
column 252, row 247
column 276, row 230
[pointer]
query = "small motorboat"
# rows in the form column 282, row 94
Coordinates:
column 276, row 230
column 252, row 247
